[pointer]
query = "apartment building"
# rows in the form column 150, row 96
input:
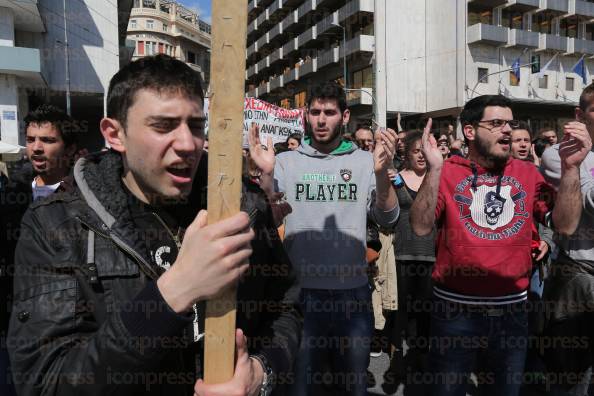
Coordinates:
column 57, row 52
column 293, row 44
column 424, row 57
column 167, row 27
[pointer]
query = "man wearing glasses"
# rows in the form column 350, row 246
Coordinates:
column 484, row 207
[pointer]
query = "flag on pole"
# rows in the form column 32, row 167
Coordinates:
column 580, row 69
column 546, row 66
column 516, row 71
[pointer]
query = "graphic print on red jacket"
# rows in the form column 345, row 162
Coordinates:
column 485, row 222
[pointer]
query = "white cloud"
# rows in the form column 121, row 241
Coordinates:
column 197, row 8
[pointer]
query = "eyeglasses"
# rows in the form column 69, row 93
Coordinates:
column 498, row 124
column 442, row 142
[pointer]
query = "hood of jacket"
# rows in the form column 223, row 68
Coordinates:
column 345, row 147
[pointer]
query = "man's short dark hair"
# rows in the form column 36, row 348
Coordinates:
column 328, row 90
column 540, row 145
column 55, row 116
column 296, row 136
column 474, row 109
column 586, row 97
column 524, row 125
column 160, row 73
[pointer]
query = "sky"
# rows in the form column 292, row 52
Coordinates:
column 200, row 6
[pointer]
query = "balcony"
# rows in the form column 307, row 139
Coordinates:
column 522, row 38
column 361, row 96
column 276, row 55
column 263, row 88
column 290, row 75
column 253, row 7
column 522, row 5
column 276, row 31
column 311, row 66
column 252, row 49
column 362, row 43
column 291, row 46
column 487, row 34
column 252, row 27
column 354, row 7
column 328, row 57
column 22, row 62
column 290, row 21
column 308, row 38
column 276, row 82
column 328, row 23
column 307, row 7
column 487, row 3
column 275, row 8
column 263, row 64
column 581, row 8
column 262, row 41
column 264, row 21
column 251, row 71
column 555, row 7
column 551, row 42
column 580, row 47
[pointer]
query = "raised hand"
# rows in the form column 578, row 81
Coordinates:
column 385, row 147
column 575, row 145
column 429, row 147
column 263, row 158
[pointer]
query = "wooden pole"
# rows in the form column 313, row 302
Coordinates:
column 227, row 82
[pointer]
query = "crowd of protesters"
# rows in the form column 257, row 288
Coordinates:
column 466, row 254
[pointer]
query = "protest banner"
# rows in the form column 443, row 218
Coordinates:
column 274, row 121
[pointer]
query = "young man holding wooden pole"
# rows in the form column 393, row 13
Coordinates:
column 112, row 278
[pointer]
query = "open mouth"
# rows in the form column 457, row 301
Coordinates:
column 505, row 141
column 181, row 173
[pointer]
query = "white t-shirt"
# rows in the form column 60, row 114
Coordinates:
column 42, row 191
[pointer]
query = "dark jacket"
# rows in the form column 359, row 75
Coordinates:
column 88, row 318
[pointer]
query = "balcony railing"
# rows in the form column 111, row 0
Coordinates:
column 354, row 7
column 308, row 67
column 522, row 5
column 292, row 45
column 523, row 38
column 577, row 46
column 552, row 42
column 581, row 8
column 559, row 7
column 362, row 43
column 305, row 8
column 290, row 75
column 487, row 34
column 328, row 57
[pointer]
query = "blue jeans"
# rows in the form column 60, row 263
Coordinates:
column 460, row 333
column 334, row 352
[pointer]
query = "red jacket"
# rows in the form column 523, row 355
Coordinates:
column 485, row 230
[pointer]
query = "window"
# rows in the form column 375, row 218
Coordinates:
column 483, row 75
column 191, row 57
column 140, row 48
column 480, row 17
column 153, row 48
column 161, row 48
column 164, row 27
column 513, row 80
column 133, row 24
column 543, row 82
column 150, row 24
column 136, row 3
column 300, row 99
column 569, row 83
column 363, row 78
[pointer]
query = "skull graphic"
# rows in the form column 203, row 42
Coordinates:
column 493, row 207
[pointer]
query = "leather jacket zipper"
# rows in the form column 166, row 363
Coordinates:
column 174, row 237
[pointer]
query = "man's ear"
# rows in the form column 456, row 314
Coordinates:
column 113, row 133
column 469, row 132
column 579, row 114
column 346, row 115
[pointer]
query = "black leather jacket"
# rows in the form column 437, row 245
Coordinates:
column 88, row 318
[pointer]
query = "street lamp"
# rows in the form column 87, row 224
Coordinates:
column 344, row 64
column 372, row 101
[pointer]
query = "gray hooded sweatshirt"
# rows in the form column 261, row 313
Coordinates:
column 331, row 196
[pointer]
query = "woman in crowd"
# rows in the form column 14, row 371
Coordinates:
column 415, row 257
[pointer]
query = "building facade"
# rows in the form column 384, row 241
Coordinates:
column 424, row 57
column 49, row 48
column 167, row 27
